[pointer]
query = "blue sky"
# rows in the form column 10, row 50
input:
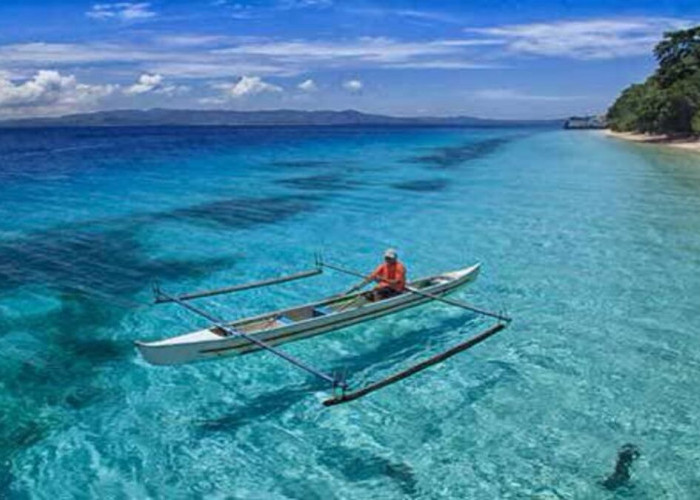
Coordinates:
column 503, row 59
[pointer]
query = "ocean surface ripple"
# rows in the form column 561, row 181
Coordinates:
column 592, row 245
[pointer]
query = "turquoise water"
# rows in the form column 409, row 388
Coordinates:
column 592, row 245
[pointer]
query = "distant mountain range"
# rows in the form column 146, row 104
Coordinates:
column 273, row 118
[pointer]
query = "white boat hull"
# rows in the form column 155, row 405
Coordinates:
column 208, row 344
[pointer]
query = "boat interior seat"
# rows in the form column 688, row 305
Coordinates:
column 322, row 310
column 285, row 320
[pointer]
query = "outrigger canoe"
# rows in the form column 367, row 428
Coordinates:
column 268, row 331
column 296, row 323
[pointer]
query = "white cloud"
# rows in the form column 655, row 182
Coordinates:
column 154, row 83
column 211, row 101
column 585, row 39
column 426, row 15
column 146, row 83
column 377, row 51
column 517, row 95
column 191, row 56
column 185, row 62
column 198, row 70
column 49, row 92
column 304, row 4
column 125, row 11
column 353, row 85
column 247, row 85
column 268, row 9
column 9, row 75
column 308, row 86
column 28, row 54
column 445, row 64
column 412, row 14
column 242, row 11
column 190, row 40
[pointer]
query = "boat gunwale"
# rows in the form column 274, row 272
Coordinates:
column 330, row 300
column 406, row 300
column 298, row 334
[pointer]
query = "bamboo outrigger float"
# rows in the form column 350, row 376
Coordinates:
column 268, row 331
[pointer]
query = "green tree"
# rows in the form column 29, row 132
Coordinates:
column 678, row 55
column 668, row 101
column 681, row 103
column 695, row 123
column 637, row 109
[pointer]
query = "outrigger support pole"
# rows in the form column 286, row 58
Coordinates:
column 346, row 397
column 334, row 381
column 244, row 286
column 463, row 305
column 439, row 298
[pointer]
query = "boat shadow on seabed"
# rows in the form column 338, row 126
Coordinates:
column 403, row 349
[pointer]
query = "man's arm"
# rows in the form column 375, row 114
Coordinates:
column 372, row 277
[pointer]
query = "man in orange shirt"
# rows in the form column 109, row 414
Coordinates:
column 390, row 277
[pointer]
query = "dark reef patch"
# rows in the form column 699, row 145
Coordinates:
column 323, row 182
column 256, row 409
column 301, row 489
column 301, row 163
column 84, row 261
column 244, row 213
column 427, row 185
column 95, row 269
column 83, row 396
column 6, row 478
column 18, row 431
column 357, row 465
column 620, row 477
column 452, row 156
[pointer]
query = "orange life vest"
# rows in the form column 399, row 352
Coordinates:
column 394, row 273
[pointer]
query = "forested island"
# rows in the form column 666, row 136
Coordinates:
column 668, row 102
column 266, row 118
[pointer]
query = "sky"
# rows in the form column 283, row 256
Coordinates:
column 487, row 58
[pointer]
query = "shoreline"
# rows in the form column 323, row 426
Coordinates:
column 686, row 144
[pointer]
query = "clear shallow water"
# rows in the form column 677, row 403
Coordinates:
column 592, row 245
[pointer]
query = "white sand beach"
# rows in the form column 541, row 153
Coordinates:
column 689, row 144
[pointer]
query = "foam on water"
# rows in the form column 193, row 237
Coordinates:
column 593, row 246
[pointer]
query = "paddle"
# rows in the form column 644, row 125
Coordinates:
column 453, row 302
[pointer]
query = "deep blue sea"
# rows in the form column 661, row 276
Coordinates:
column 591, row 244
